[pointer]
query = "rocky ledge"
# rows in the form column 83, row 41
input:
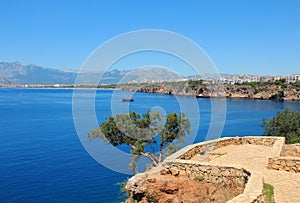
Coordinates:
column 168, row 187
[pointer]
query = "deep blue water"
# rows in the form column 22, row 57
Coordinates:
column 43, row 160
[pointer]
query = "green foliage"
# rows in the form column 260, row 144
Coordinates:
column 199, row 178
column 110, row 86
column 122, row 185
column 253, row 85
column 269, row 193
column 140, row 133
column 297, row 84
column 281, row 82
column 132, row 164
column 195, row 83
column 286, row 123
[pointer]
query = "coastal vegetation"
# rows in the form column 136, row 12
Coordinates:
column 297, row 84
column 195, row 83
column 286, row 124
column 151, row 135
column 264, row 86
column 281, row 82
column 270, row 90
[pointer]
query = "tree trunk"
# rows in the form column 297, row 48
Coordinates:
column 151, row 157
column 160, row 154
column 148, row 155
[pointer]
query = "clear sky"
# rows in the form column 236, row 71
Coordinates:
column 242, row 36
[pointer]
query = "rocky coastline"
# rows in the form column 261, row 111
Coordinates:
column 264, row 92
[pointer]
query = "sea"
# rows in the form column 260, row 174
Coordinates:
column 43, row 159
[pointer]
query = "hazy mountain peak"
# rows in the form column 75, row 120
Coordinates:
column 18, row 73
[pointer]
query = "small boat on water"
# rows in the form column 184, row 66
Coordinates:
column 202, row 96
column 127, row 100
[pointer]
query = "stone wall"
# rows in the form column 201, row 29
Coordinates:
column 253, row 192
column 290, row 164
column 180, row 164
column 212, row 174
column 209, row 146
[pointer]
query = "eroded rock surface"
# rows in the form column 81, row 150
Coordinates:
column 168, row 189
column 265, row 92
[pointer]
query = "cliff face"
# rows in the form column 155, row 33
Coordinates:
column 266, row 92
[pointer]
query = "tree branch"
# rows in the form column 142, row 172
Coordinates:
column 151, row 157
column 148, row 155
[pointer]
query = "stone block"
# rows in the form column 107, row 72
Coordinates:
column 278, row 162
column 174, row 172
column 164, row 171
column 183, row 173
column 275, row 166
column 282, row 163
column 289, row 163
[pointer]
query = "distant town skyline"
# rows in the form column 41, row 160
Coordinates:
column 241, row 37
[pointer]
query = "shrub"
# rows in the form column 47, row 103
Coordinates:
column 286, row 124
column 199, row 178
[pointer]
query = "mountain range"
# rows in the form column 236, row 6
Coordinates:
column 17, row 73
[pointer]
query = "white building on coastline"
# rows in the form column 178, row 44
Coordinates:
column 239, row 79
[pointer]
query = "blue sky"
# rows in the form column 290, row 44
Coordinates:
column 242, row 36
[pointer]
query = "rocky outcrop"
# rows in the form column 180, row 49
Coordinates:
column 156, row 89
column 265, row 92
column 166, row 188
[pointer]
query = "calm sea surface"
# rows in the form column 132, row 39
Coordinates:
column 43, row 160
